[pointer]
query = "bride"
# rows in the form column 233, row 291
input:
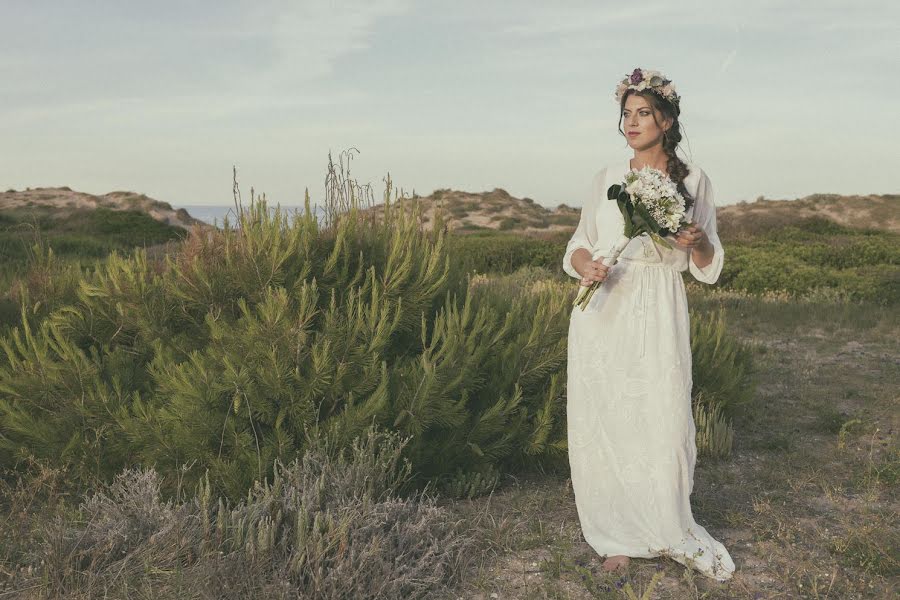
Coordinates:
column 631, row 431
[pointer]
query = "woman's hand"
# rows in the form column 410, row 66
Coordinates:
column 691, row 236
column 593, row 270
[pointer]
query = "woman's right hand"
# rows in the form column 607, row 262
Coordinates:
column 593, row 270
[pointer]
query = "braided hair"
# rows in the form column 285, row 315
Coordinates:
column 676, row 167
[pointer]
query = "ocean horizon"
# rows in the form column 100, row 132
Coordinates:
column 215, row 214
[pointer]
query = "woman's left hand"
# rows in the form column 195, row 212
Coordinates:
column 691, row 236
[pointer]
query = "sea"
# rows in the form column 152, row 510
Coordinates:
column 215, row 214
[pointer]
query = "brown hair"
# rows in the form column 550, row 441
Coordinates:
column 678, row 170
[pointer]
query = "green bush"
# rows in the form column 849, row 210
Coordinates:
column 722, row 381
column 721, row 364
column 79, row 239
column 872, row 274
column 127, row 228
column 497, row 252
column 458, row 210
column 81, row 246
column 509, row 223
column 226, row 353
column 811, row 256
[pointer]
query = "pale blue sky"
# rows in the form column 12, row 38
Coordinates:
column 780, row 99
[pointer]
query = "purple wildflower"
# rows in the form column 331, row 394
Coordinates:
column 636, row 77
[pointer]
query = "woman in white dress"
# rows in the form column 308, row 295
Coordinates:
column 631, row 431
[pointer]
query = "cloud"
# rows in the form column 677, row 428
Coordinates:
column 733, row 54
column 233, row 58
column 549, row 20
column 728, row 60
column 310, row 38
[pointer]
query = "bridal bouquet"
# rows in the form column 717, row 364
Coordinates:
column 650, row 203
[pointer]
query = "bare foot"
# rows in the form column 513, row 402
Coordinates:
column 615, row 562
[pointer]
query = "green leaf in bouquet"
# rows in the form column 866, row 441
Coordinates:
column 639, row 218
column 647, row 218
column 613, row 192
column 629, row 226
column 632, row 226
column 660, row 240
column 638, row 225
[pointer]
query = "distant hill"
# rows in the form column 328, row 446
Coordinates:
column 466, row 212
column 881, row 212
column 497, row 210
column 61, row 203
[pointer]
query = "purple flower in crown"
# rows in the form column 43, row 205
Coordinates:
column 636, row 77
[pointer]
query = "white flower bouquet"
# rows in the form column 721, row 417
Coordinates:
column 650, row 203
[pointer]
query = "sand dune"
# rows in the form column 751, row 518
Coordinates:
column 61, row 202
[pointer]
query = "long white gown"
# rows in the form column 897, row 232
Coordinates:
column 631, row 432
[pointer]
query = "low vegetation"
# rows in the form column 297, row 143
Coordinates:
column 370, row 409
column 329, row 525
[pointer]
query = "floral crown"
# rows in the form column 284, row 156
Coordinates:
column 642, row 79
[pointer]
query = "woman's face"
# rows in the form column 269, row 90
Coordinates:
column 637, row 116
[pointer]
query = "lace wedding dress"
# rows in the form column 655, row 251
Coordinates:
column 631, row 431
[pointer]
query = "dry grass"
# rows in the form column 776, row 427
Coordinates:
column 329, row 526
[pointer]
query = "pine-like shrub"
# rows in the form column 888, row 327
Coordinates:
column 721, row 363
column 224, row 355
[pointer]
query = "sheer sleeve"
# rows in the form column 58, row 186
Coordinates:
column 585, row 235
column 705, row 217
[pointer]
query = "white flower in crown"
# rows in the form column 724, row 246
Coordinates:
column 642, row 79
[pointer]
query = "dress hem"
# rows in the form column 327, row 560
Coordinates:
column 679, row 557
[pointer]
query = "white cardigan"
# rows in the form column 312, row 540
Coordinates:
column 601, row 225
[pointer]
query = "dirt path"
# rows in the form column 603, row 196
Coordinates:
column 807, row 506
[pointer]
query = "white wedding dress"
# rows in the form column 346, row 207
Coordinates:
column 631, row 431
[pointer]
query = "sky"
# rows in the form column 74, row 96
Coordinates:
column 779, row 98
